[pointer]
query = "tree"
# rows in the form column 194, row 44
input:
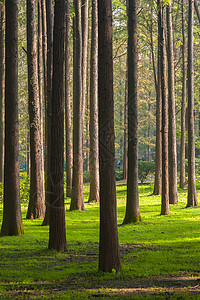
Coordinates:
column 173, row 195
column 108, row 244
column 57, row 232
column 36, row 208
column 94, row 147
column 192, row 194
column 2, row 83
column 12, row 219
column 132, row 204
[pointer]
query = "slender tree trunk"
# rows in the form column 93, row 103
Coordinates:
column 109, row 258
column 94, row 146
column 173, row 195
column 57, row 232
column 2, row 87
column 132, row 204
column 36, row 208
column 12, row 219
column 69, row 147
column 125, row 154
column 49, row 21
column 183, row 105
column 77, row 178
column 28, row 150
column 165, row 175
column 192, row 194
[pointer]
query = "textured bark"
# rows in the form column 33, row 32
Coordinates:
column 2, row 87
column 108, row 245
column 183, row 104
column 57, row 232
column 12, row 219
column 77, row 178
column 36, row 208
column 165, row 175
column 173, row 195
column 94, row 145
column 132, row 204
column 68, row 127
column 49, row 21
column 192, row 194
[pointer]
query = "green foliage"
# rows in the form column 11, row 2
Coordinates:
column 145, row 169
column 86, row 176
column 24, row 187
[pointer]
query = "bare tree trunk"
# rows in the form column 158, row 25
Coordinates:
column 94, row 145
column 192, row 194
column 68, row 127
column 2, row 87
column 173, row 195
column 132, row 204
column 183, row 105
column 12, row 219
column 109, row 258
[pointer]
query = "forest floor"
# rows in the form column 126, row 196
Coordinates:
column 160, row 256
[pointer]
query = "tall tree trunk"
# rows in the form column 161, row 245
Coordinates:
column 69, row 147
column 173, row 195
column 12, row 219
column 2, row 87
column 57, row 232
column 165, row 175
column 36, row 208
column 183, row 105
column 109, row 258
column 77, row 178
column 94, row 146
column 132, row 204
column 49, row 16
column 192, row 194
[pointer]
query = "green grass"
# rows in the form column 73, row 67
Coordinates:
column 160, row 256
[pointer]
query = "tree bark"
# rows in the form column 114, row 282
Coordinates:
column 57, row 232
column 108, row 245
column 36, row 208
column 2, row 87
column 192, row 194
column 173, row 195
column 68, row 127
column 94, row 146
column 132, row 204
column 12, row 219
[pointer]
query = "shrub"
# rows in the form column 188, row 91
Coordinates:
column 145, row 168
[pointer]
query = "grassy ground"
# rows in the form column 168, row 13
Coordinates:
column 160, row 255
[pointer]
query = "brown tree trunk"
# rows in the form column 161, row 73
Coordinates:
column 77, row 178
column 36, row 208
column 12, row 219
column 68, row 127
column 109, row 258
column 49, row 21
column 94, row 145
column 57, row 232
column 192, row 194
column 165, row 174
column 173, row 195
column 132, row 204
column 2, row 87
column 183, row 105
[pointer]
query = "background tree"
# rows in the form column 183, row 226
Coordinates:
column 2, row 86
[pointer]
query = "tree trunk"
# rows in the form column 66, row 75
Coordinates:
column 132, row 204
column 2, row 87
column 173, row 195
column 77, row 179
column 109, row 258
column 192, row 194
column 57, row 232
column 69, row 147
column 183, row 105
column 49, row 21
column 12, row 219
column 94, row 146
column 165, row 175
column 36, row 208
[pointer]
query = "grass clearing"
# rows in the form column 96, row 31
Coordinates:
column 160, row 255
